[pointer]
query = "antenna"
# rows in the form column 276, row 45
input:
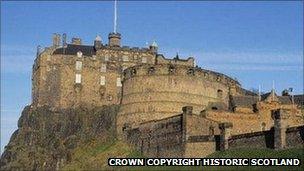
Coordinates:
column 115, row 15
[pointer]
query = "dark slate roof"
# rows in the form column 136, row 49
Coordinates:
column 244, row 101
column 299, row 99
column 285, row 99
column 282, row 99
column 248, row 92
column 72, row 49
column 264, row 96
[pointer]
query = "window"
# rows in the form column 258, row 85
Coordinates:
column 133, row 71
column 219, row 93
column 214, row 108
column 79, row 54
column 125, row 58
column 118, row 82
column 78, row 65
column 102, row 80
column 151, row 70
column 263, row 126
column 107, row 58
column 171, row 69
column 103, row 68
column 190, row 72
column 78, row 78
column 144, row 60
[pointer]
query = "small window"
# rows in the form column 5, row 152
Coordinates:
column 219, row 93
column 218, row 78
column 102, row 80
column 214, row 108
column 144, row 60
column 103, row 68
column 118, row 82
column 125, row 58
column 171, row 69
column 133, row 72
column 151, row 70
column 263, row 126
column 190, row 72
column 79, row 54
column 78, row 78
column 107, row 58
column 78, row 65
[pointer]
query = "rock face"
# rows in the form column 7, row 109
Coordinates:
column 46, row 138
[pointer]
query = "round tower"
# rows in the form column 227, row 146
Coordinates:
column 114, row 39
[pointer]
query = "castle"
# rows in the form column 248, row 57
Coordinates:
column 152, row 91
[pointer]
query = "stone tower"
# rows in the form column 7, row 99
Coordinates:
column 114, row 39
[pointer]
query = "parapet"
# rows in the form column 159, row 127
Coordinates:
column 160, row 59
column 178, row 70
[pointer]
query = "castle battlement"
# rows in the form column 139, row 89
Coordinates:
column 179, row 70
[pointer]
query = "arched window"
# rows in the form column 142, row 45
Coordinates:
column 133, row 72
column 219, row 93
column 214, row 108
column 263, row 126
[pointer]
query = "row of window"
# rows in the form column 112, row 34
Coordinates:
column 124, row 58
column 103, row 67
column 102, row 80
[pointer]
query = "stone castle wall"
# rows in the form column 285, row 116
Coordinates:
column 189, row 135
column 265, row 139
column 54, row 77
column 182, row 135
column 255, row 122
column 152, row 92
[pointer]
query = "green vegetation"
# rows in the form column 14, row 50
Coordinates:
column 94, row 156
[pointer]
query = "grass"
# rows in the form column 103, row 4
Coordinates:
column 94, row 156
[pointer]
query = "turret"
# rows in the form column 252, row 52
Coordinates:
column 154, row 47
column 97, row 42
column 114, row 39
column 56, row 40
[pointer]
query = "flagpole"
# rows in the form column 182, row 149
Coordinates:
column 115, row 15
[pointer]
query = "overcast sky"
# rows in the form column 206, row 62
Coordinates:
column 256, row 42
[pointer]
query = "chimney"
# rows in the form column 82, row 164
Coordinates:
column 76, row 41
column 114, row 39
column 97, row 42
column 64, row 38
column 56, row 40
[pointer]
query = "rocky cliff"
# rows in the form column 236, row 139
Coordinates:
column 46, row 139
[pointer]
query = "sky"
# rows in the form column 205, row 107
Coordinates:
column 256, row 42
